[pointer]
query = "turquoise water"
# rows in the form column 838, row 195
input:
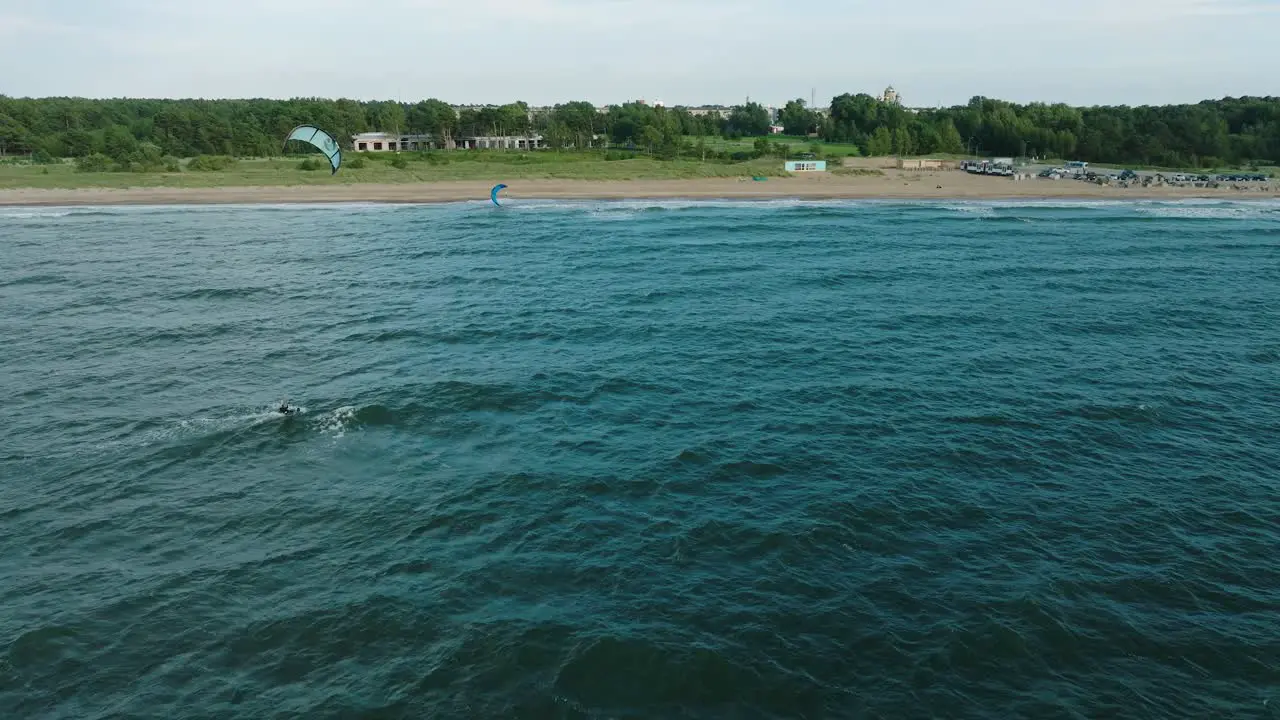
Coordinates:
column 625, row 460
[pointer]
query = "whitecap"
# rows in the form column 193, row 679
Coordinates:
column 983, row 210
column 1211, row 210
column 33, row 214
column 337, row 422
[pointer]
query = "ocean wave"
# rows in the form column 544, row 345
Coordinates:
column 33, row 214
column 1126, row 413
column 228, row 293
column 35, row 279
column 19, row 212
column 981, row 210
column 1211, row 211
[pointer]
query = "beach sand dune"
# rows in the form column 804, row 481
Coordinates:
column 892, row 184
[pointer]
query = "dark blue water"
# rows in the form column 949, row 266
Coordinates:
column 641, row 460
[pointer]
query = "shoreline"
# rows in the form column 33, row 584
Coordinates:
column 891, row 186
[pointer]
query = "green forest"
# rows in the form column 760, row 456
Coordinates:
column 1213, row 133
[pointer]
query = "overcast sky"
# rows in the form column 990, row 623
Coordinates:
column 679, row 51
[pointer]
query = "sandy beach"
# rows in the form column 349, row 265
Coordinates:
column 892, row 185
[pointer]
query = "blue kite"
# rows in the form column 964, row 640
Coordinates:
column 493, row 194
column 322, row 140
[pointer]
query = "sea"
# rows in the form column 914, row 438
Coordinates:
column 641, row 459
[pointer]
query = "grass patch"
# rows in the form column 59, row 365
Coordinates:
column 211, row 163
column 493, row 166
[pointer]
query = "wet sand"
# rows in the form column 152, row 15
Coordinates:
column 892, row 185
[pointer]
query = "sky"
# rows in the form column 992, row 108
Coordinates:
column 689, row 52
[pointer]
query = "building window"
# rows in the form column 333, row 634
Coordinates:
column 391, row 146
column 377, row 146
column 364, row 146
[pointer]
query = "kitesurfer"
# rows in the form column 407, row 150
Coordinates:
column 284, row 408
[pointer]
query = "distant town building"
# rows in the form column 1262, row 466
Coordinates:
column 532, row 113
column 776, row 129
column 890, row 96
column 457, row 109
column 703, row 110
column 389, row 142
column 502, row 142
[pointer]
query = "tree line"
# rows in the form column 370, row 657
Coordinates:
column 1213, row 133
column 1231, row 131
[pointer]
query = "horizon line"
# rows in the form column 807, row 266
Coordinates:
column 657, row 102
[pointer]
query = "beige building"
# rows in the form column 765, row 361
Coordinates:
column 389, row 142
column 505, row 142
column 925, row 164
column 393, row 142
